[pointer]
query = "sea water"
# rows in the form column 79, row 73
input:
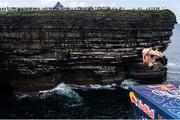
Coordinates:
column 92, row 101
column 173, row 55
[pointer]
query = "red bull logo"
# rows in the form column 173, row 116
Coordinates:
column 145, row 108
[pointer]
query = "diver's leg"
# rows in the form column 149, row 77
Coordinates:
column 150, row 64
column 156, row 53
column 159, row 53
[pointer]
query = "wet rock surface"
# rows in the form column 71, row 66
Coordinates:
column 38, row 50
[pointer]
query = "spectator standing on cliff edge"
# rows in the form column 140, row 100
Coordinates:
column 150, row 55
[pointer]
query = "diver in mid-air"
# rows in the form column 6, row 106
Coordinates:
column 150, row 55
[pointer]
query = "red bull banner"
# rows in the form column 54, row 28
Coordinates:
column 156, row 101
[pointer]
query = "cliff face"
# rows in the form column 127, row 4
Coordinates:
column 81, row 47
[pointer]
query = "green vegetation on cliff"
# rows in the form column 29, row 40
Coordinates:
column 102, row 13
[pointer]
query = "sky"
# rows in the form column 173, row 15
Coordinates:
column 173, row 5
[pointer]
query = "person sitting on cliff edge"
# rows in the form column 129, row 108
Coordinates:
column 150, row 55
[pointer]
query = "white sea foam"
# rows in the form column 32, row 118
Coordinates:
column 62, row 89
column 95, row 86
column 173, row 65
column 173, row 68
column 174, row 72
column 127, row 83
column 22, row 96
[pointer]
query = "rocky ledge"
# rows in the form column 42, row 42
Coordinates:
column 40, row 49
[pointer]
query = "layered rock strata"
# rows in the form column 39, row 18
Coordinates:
column 80, row 47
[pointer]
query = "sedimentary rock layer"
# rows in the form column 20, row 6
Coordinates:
column 98, row 46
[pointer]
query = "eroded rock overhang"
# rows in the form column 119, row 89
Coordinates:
column 81, row 47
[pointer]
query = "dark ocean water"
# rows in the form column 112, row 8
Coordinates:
column 93, row 101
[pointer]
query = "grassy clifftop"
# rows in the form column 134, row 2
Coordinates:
column 90, row 13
